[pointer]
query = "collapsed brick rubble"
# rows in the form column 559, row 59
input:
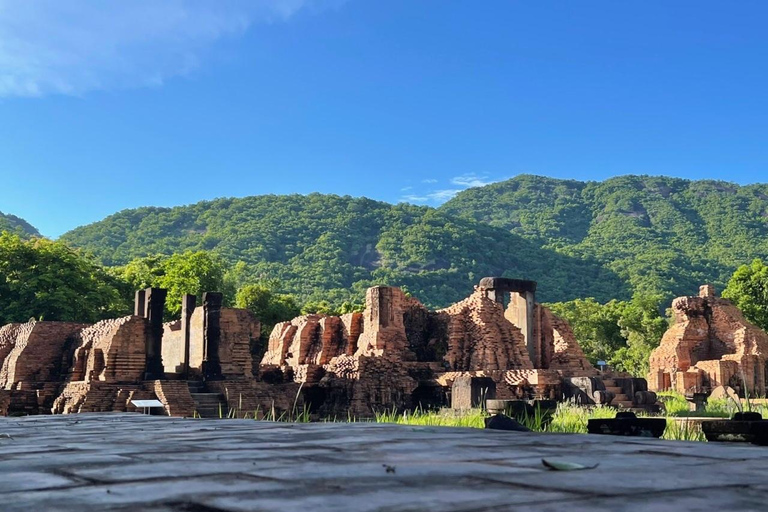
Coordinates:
column 396, row 354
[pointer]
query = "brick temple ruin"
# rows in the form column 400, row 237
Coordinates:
column 396, row 354
column 710, row 344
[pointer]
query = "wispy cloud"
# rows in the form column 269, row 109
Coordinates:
column 439, row 196
column 471, row 180
column 75, row 46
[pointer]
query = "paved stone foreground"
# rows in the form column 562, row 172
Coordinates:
column 136, row 462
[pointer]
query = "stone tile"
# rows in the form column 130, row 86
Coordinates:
column 135, row 462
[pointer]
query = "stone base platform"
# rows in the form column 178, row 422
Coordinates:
column 135, row 462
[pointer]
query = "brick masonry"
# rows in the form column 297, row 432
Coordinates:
column 396, row 354
column 710, row 344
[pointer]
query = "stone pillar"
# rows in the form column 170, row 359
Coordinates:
column 188, row 303
column 211, row 335
column 521, row 312
column 153, row 308
column 469, row 392
column 707, row 291
column 139, row 303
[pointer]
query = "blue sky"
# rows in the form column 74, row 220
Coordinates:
column 107, row 105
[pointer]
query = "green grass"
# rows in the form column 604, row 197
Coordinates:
column 474, row 418
column 568, row 418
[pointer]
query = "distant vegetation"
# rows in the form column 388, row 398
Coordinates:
column 16, row 225
column 661, row 236
column 325, row 247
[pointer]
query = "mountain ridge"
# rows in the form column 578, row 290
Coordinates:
column 17, row 225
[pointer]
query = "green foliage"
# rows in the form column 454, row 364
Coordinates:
column 595, row 325
column 17, row 226
column 748, row 289
column 608, row 240
column 621, row 332
column 269, row 306
column 660, row 235
column 326, row 247
column 49, row 281
column 643, row 327
column 181, row 273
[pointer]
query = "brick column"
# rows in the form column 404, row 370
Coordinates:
column 139, row 303
column 188, row 303
column 154, row 306
column 211, row 335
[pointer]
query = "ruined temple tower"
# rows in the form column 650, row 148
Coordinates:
column 521, row 311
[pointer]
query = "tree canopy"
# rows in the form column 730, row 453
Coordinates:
column 622, row 333
column 748, row 289
column 17, row 225
column 181, row 273
column 47, row 280
column 607, row 240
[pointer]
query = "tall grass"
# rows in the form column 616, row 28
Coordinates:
column 474, row 418
column 568, row 418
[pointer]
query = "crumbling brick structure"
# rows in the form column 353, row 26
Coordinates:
column 710, row 344
column 394, row 354
column 398, row 354
column 64, row 367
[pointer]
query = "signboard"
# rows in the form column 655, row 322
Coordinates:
column 147, row 403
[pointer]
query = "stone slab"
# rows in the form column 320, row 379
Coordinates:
column 139, row 462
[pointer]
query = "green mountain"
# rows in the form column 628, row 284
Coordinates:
column 17, row 225
column 331, row 247
column 578, row 239
column 658, row 234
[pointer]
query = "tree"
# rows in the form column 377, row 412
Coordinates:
column 621, row 332
column 269, row 306
column 188, row 272
column 642, row 326
column 748, row 289
column 595, row 325
column 49, row 281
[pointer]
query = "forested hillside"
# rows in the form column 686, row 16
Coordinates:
column 660, row 235
column 651, row 235
column 331, row 247
column 17, row 225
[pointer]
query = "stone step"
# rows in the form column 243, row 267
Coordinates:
column 211, row 413
column 609, row 383
column 196, row 386
column 624, row 404
column 620, row 397
column 210, row 405
column 206, row 398
column 616, row 390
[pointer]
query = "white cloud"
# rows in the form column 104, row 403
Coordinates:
column 471, row 180
column 440, row 196
column 74, row 46
column 414, row 199
column 406, row 189
column 436, row 197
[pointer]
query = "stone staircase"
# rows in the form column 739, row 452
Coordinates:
column 621, row 400
column 207, row 404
